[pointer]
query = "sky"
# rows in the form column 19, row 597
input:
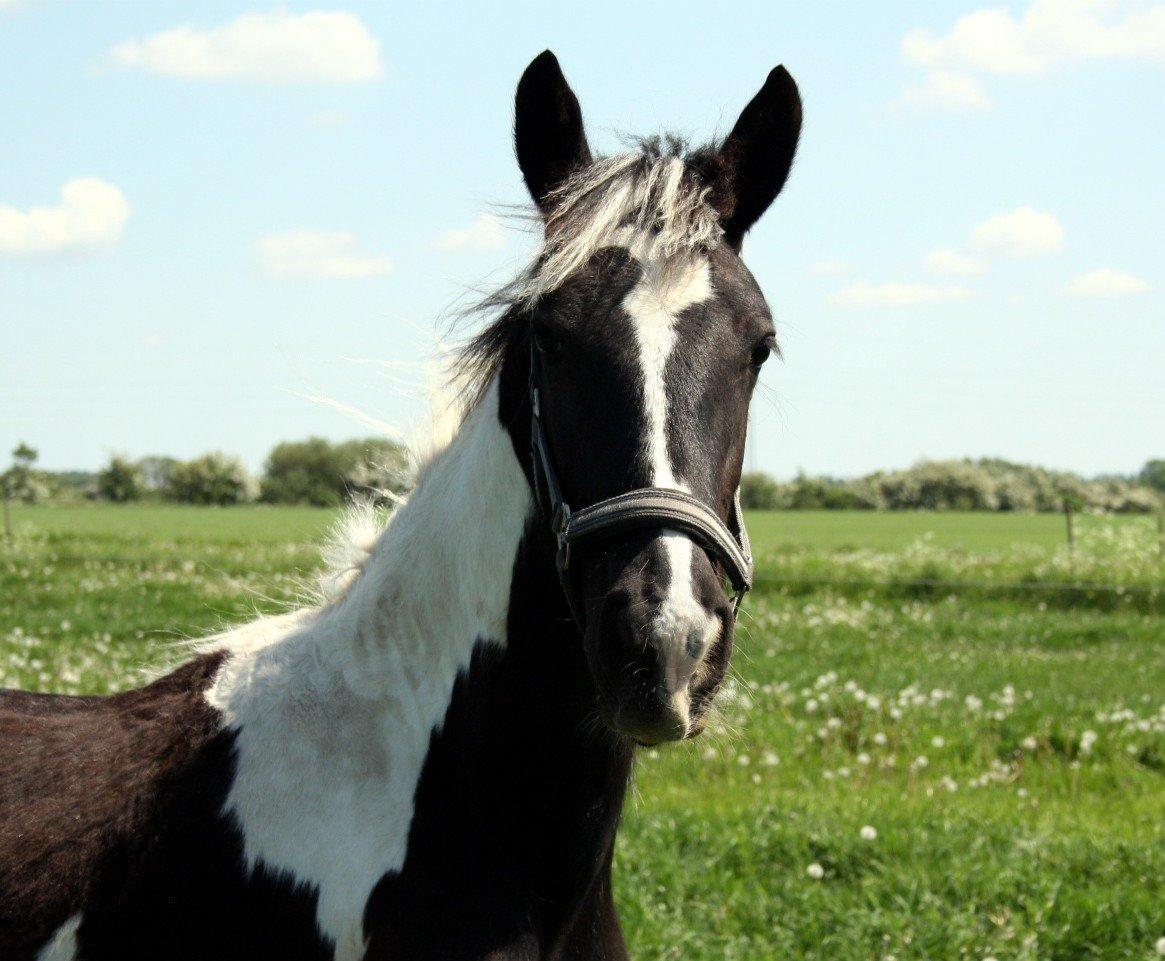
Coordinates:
column 211, row 214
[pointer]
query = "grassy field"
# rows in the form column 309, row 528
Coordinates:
column 944, row 739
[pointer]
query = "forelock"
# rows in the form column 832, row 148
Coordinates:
column 654, row 201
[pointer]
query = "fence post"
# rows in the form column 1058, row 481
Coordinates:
column 1071, row 528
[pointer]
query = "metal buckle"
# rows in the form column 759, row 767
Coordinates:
column 559, row 524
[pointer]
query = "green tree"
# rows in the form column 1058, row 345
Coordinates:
column 215, row 478
column 119, row 481
column 22, row 482
column 1153, row 475
column 759, row 492
column 315, row 471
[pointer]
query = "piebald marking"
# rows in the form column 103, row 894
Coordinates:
column 334, row 711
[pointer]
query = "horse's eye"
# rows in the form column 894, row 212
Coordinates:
column 547, row 342
column 760, row 353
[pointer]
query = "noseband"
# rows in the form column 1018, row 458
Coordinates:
column 639, row 509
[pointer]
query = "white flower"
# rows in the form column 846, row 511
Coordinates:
column 937, row 741
column 973, row 703
column 879, row 738
column 1160, row 945
column 810, row 706
column 1030, row 743
column 869, row 833
column 815, row 871
column 919, row 762
column 770, row 759
column 1087, row 740
column 863, row 758
column 744, row 760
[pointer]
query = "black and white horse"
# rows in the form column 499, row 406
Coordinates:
column 431, row 764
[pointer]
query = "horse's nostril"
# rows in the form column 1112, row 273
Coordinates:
column 695, row 646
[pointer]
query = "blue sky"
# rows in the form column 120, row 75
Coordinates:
column 967, row 259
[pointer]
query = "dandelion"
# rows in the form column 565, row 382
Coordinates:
column 863, row 758
column 770, row 759
column 744, row 760
column 810, row 706
column 879, row 738
column 815, row 871
column 937, row 741
column 919, row 762
column 1087, row 740
column 869, row 833
column 1160, row 946
column 1029, row 743
column 973, row 703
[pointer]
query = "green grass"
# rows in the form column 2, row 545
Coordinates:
column 1020, row 837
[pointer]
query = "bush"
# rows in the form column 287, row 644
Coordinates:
column 315, row 471
column 119, row 481
column 759, row 492
column 1153, row 475
column 966, row 485
column 214, row 478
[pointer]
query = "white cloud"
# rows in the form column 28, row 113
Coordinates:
column 947, row 90
column 277, row 47
column 1022, row 232
column 1106, row 282
column 828, row 268
column 1047, row 34
column 484, row 234
column 91, row 215
column 953, row 262
column 897, row 295
column 305, row 253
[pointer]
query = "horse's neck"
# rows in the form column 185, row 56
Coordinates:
column 438, row 699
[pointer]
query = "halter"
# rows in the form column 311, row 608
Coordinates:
column 644, row 507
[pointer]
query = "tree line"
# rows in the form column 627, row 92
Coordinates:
column 984, row 484
column 313, row 471
column 325, row 474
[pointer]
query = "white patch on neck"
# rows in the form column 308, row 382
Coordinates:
column 334, row 710
column 654, row 304
column 63, row 944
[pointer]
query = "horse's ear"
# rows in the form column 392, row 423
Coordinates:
column 548, row 128
column 754, row 160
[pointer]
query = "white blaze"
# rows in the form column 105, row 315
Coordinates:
column 654, row 305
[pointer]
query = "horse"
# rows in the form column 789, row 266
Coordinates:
column 431, row 762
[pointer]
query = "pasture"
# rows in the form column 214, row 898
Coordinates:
column 944, row 737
